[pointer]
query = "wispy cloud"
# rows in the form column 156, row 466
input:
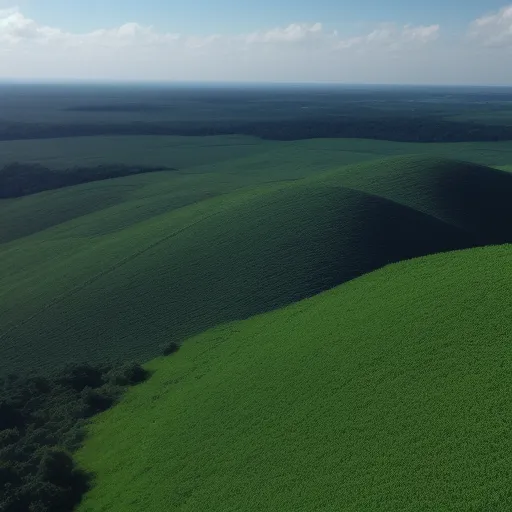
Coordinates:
column 16, row 29
column 294, row 33
column 392, row 36
column 494, row 29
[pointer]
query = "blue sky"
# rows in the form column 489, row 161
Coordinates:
column 234, row 16
column 350, row 41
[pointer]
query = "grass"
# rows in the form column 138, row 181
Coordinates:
column 138, row 285
column 391, row 392
column 207, row 167
column 471, row 197
column 237, row 151
column 91, row 151
column 108, row 206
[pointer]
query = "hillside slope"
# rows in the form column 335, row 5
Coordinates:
column 474, row 198
column 391, row 392
column 208, row 166
column 125, row 293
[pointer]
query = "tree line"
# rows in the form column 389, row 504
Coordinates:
column 400, row 128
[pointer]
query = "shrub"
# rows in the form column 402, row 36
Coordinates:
column 97, row 400
column 10, row 416
column 81, row 376
column 171, row 348
column 128, row 374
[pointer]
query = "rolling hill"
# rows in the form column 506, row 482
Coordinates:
column 114, row 283
column 208, row 166
column 390, row 392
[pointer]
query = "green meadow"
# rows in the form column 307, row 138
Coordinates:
column 238, row 151
column 166, row 259
column 390, row 392
column 341, row 306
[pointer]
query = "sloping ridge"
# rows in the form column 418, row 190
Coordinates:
column 390, row 392
column 260, row 252
column 472, row 197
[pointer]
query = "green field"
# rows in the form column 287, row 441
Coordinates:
column 391, row 392
column 240, row 152
column 137, row 269
column 343, row 306
column 207, row 167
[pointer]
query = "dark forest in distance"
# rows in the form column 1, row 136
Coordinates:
column 275, row 112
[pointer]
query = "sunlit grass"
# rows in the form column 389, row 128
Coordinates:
column 391, row 392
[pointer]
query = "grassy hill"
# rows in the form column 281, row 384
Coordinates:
column 471, row 197
column 118, row 204
column 207, row 167
column 390, row 392
column 18, row 180
column 112, row 286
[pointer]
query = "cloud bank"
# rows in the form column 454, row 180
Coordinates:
column 388, row 53
column 16, row 29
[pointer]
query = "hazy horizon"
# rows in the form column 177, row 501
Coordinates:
column 257, row 84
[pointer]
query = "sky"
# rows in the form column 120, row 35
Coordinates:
column 347, row 41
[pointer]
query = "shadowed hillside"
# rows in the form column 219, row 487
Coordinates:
column 22, row 179
column 391, row 392
column 126, row 294
column 472, row 197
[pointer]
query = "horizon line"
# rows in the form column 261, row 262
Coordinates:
column 206, row 83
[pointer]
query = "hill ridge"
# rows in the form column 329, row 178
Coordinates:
column 227, row 258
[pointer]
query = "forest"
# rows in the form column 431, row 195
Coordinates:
column 42, row 422
column 402, row 128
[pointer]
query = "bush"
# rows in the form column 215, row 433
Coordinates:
column 97, row 400
column 81, row 376
column 128, row 374
column 172, row 348
column 10, row 416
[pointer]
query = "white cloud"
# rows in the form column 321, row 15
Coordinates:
column 129, row 34
column 294, row 33
column 494, row 29
column 422, row 34
column 391, row 36
column 16, row 28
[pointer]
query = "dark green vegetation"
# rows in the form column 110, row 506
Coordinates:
column 42, row 420
column 287, row 112
column 17, row 179
column 178, row 273
column 392, row 392
column 380, row 128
